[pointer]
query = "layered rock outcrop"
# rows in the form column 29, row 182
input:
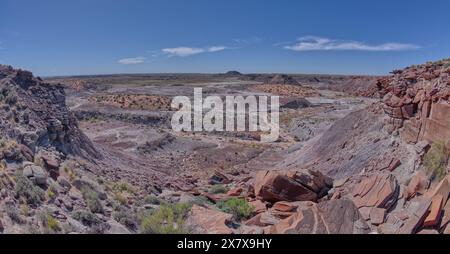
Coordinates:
column 35, row 115
column 416, row 101
column 293, row 185
column 332, row 217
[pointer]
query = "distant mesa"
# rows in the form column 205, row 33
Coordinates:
column 283, row 80
column 233, row 73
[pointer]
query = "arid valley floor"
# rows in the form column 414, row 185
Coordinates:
column 97, row 154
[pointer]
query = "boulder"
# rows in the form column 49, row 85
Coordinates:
column 377, row 190
column 417, row 212
column 295, row 185
column 235, row 192
column 219, row 178
column 26, row 152
column 259, row 206
column 203, row 220
column 115, row 228
column 446, row 215
column 331, row 217
column 35, row 173
column 435, row 213
column 283, row 206
column 443, row 189
column 418, row 185
column 377, row 216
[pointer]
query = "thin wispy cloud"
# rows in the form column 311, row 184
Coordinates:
column 188, row 51
column 216, row 48
column 250, row 40
column 132, row 60
column 314, row 43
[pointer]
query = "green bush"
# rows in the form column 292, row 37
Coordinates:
column 123, row 187
column 127, row 218
column 435, row 161
column 86, row 218
column 152, row 200
column 27, row 190
column 51, row 224
column 14, row 214
column 218, row 189
column 92, row 200
column 168, row 219
column 240, row 208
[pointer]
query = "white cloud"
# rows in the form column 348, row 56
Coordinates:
column 314, row 43
column 216, row 48
column 133, row 60
column 183, row 51
column 187, row 51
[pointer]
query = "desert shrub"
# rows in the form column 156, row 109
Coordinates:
column 168, row 219
column 435, row 161
column 201, row 200
column 25, row 189
column 52, row 191
column 123, row 187
column 122, row 199
column 86, row 218
column 24, row 210
column 11, row 98
column 51, row 224
column 240, row 208
column 152, row 200
column 2, row 143
column 14, row 214
column 127, row 218
column 92, row 200
column 218, row 189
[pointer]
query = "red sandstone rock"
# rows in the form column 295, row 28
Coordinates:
column 377, row 215
column 296, row 185
column 443, row 189
column 284, row 206
column 331, row 217
column 418, row 184
column 435, row 212
column 207, row 221
column 446, row 215
column 394, row 165
column 235, row 192
column 379, row 190
column 259, row 206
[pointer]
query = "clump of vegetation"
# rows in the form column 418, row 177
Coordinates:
column 127, row 218
column 11, row 98
column 25, row 189
column 14, row 215
column 51, row 225
column 123, row 187
column 218, row 189
column 122, row 199
column 168, row 219
column 240, row 208
column 92, row 200
column 435, row 161
column 86, row 218
column 201, row 201
column 70, row 173
column 152, row 200
column 52, row 192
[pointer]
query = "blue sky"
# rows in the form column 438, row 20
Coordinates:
column 61, row 37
